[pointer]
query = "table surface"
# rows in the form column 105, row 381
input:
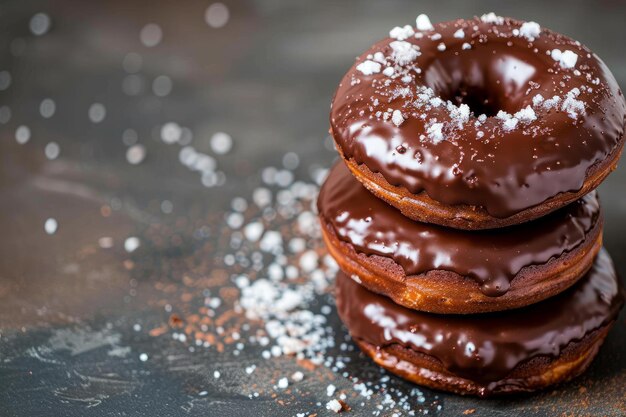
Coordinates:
column 89, row 326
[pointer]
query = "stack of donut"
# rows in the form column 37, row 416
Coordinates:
column 464, row 215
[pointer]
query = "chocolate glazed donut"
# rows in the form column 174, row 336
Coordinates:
column 442, row 270
column 481, row 123
column 498, row 353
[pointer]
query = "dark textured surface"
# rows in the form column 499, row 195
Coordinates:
column 67, row 308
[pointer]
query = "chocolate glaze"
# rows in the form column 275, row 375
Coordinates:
column 491, row 257
column 485, row 348
column 504, row 171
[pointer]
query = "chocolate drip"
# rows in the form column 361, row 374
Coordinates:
column 486, row 347
column 491, row 257
column 503, row 171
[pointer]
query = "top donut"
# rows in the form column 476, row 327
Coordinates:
column 479, row 123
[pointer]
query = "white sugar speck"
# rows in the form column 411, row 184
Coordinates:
column 39, row 24
column 97, row 112
column 171, row 132
column 221, row 143
column 530, row 30
column 368, row 67
column 22, row 134
column 162, row 86
column 216, row 15
column 435, row 132
column 401, row 33
column 566, row 59
column 131, row 244
column 283, row 383
column 47, row 107
column 216, row 374
column 572, row 106
column 235, row 220
column 135, row 154
column 396, row 118
column 510, row 123
column 423, row 23
column 151, row 35
column 459, row 34
column 262, row 197
column 253, row 231
column 51, row 226
column 309, row 261
column 492, row 18
column 52, row 150
column 334, row 405
column 526, row 115
column 143, row 357
column 441, row 47
column 297, row 376
column 389, row 71
column 403, row 52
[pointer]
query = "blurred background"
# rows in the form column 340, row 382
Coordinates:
column 127, row 131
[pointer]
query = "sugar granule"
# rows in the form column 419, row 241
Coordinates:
column 401, row 33
column 396, row 118
column 422, row 22
column 530, row 30
column 368, row 67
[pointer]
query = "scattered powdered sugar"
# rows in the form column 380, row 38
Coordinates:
column 435, row 132
column 459, row 34
column 403, row 52
column 266, row 294
column 422, row 22
column 537, row 100
column 510, row 122
column 572, row 106
column 551, row 103
column 526, row 115
column 368, row 67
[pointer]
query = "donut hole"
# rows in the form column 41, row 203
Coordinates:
column 478, row 99
column 487, row 79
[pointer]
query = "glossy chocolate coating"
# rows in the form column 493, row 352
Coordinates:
column 486, row 347
column 505, row 172
column 491, row 257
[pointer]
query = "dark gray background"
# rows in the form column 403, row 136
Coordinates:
column 266, row 78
